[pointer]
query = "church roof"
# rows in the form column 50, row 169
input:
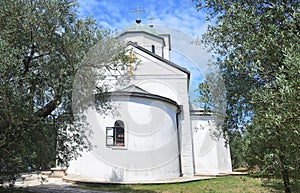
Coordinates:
column 135, row 91
column 138, row 27
column 161, row 58
column 141, row 28
column 133, row 88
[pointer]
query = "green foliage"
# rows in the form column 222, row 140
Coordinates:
column 212, row 96
column 251, row 40
column 204, row 96
column 238, row 146
column 248, row 38
column 278, row 123
column 42, row 44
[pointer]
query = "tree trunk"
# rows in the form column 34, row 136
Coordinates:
column 286, row 181
column 285, row 175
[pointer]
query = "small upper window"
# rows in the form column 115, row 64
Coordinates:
column 115, row 135
column 153, row 49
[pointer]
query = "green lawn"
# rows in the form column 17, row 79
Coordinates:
column 219, row 185
column 230, row 184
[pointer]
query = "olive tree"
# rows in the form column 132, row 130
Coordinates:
column 255, row 44
column 42, row 46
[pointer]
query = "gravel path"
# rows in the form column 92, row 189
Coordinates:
column 38, row 183
column 59, row 189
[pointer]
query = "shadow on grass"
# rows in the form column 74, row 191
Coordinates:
column 279, row 186
column 13, row 190
column 276, row 184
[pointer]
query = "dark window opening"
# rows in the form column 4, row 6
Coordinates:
column 115, row 135
column 153, row 49
column 119, row 129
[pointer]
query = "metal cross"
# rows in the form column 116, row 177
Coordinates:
column 138, row 11
column 151, row 21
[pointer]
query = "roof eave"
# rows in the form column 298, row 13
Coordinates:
column 133, row 32
column 141, row 95
column 160, row 58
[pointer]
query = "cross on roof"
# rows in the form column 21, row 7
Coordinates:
column 151, row 21
column 138, row 11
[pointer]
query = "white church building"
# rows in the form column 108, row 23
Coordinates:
column 157, row 133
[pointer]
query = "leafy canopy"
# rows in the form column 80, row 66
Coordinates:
column 256, row 45
column 42, row 44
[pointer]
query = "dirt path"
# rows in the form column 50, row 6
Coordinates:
column 59, row 189
column 38, row 183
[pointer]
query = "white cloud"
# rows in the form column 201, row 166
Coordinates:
column 180, row 17
column 116, row 14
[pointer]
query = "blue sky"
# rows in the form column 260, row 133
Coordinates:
column 178, row 17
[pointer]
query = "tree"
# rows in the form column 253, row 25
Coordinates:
column 42, row 45
column 212, row 96
column 278, row 123
column 250, row 40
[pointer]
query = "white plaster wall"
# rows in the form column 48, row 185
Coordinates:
column 162, row 79
column 224, row 157
column 167, row 47
column 151, row 143
column 211, row 155
column 152, row 66
column 146, row 41
column 153, row 69
column 175, row 89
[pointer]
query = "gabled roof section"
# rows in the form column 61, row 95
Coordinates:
column 160, row 58
column 133, row 88
column 139, row 28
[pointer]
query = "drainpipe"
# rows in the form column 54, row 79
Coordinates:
column 180, row 107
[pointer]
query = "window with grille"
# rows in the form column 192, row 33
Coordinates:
column 115, row 135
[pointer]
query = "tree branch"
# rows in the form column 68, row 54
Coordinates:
column 52, row 105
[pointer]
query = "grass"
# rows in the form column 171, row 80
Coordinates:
column 228, row 184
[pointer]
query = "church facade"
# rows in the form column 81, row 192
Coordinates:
column 156, row 133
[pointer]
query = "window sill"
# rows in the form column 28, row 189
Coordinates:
column 118, row 148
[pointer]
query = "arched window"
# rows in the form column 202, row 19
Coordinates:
column 119, row 131
column 115, row 135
